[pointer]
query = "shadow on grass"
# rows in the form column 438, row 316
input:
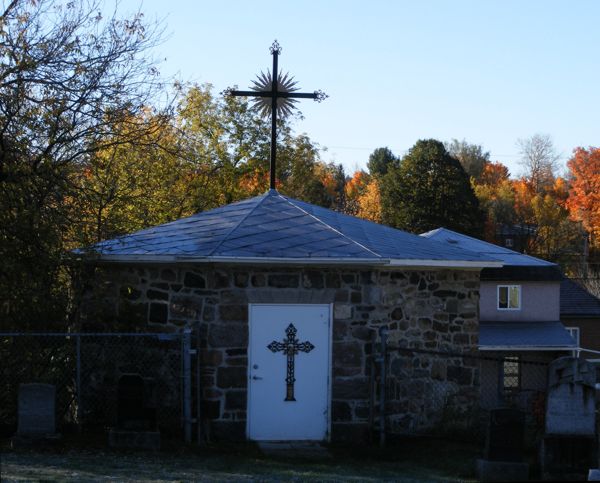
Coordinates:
column 87, row 459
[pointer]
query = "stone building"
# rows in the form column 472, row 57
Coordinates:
column 288, row 299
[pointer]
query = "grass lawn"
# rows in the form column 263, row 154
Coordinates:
column 411, row 460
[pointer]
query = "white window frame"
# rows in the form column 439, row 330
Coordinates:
column 508, row 287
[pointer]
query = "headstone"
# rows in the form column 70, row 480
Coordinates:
column 37, row 410
column 568, row 448
column 136, row 408
column 504, row 440
column 571, row 403
column 594, row 474
column 136, row 414
column 503, row 460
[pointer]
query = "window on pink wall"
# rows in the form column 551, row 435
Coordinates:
column 509, row 297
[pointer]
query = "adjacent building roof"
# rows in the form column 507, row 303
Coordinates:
column 576, row 301
column 517, row 266
column 524, row 336
column 509, row 257
column 275, row 228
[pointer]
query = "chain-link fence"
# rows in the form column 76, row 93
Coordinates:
column 424, row 392
column 85, row 370
column 430, row 392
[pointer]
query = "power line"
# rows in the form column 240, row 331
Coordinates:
column 404, row 151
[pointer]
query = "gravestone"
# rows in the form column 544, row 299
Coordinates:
column 136, row 408
column 36, row 414
column 568, row 448
column 136, row 414
column 571, row 402
column 505, row 433
column 503, row 458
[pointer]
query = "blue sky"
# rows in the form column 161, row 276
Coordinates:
column 398, row 71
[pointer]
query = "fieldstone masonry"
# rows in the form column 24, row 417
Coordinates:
column 435, row 310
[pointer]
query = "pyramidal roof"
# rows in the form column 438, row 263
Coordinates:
column 277, row 229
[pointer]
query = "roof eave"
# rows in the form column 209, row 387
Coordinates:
column 526, row 348
column 568, row 315
column 445, row 263
column 404, row 263
column 238, row 260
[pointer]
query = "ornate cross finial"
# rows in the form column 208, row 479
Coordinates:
column 275, row 47
column 275, row 93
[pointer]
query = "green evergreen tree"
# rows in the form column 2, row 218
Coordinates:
column 380, row 161
column 430, row 189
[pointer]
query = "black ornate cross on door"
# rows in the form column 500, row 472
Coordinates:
column 290, row 347
column 275, row 93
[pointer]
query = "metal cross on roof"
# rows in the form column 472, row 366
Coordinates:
column 275, row 93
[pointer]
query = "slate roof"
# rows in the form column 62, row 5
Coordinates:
column 273, row 226
column 524, row 335
column 517, row 266
column 575, row 301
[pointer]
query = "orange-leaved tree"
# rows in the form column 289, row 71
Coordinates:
column 496, row 197
column 354, row 189
column 369, row 202
column 584, row 196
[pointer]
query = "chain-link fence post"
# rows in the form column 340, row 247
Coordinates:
column 187, row 385
column 383, row 332
column 372, row 386
column 198, row 389
column 78, row 381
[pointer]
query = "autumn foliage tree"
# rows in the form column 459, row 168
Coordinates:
column 584, row 196
column 354, row 188
column 369, row 202
column 472, row 157
column 494, row 190
column 226, row 145
column 127, row 187
column 69, row 81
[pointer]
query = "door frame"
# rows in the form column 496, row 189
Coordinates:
column 329, row 362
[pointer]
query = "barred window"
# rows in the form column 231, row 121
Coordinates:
column 511, row 373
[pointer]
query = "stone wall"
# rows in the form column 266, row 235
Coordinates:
column 435, row 310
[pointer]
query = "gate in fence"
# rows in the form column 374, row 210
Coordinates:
column 89, row 369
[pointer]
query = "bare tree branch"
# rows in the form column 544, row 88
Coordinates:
column 539, row 160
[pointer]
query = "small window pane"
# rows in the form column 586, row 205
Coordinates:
column 502, row 297
column 511, row 373
column 514, row 297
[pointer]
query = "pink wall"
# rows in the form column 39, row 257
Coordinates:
column 540, row 301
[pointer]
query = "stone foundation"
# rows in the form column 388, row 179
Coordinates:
column 433, row 310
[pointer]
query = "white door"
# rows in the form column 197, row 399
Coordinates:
column 288, row 371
